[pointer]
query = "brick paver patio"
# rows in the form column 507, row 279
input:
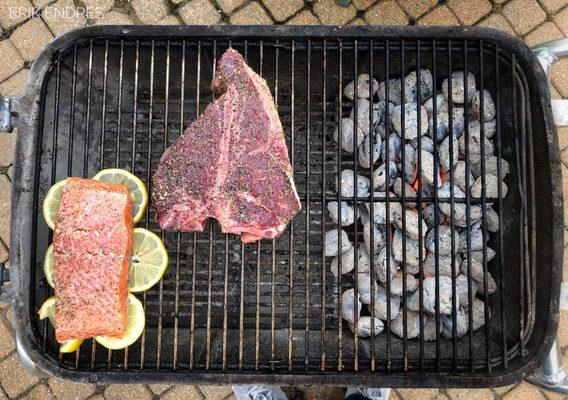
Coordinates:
column 22, row 38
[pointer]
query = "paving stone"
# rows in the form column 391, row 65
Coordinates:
column 65, row 390
column 497, row 21
column 282, row 10
column 40, row 392
column 386, row 13
column 169, row 20
column 2, row 395
column 524, row 391
column 5, row 201
column 524, row 15
column 330, row 14
column 15, row 84
column 31, row 38
column 127, row 392
column 63, row 16
column 469, row 12
column 470, row 394
column 363, row 4
column 159, row 389
column 229, row 5
column 357, row 22
column 554, row 94
column 200, row 12
column 6, row 340
column 318, row 393
column 102, row 6
column 149, row 11
column 552, row 6
column 41, row 3
column 439, row 16
column 216, row 392
column 10, row 62
column 97, row 397
column 394, row 396
column 13, row 12
column 562, row 137
column 561, row 19
column 304, row 18
column 183, row 393
column 115, row 18
column 503, row 389
column 559, row 76
column 252, row 14
column 417, row 8
column 422, row 394
column 7, row 144
column 545, row 32
column 15, row 379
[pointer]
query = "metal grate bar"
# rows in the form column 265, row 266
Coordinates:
column 308, row 216
column 371, row 212
column 387, row 207
column 291, row 244
column 355, row 194
column 339, row 256
column 323, row 203
column 403, row 214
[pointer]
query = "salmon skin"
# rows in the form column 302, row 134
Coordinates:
column 92, row 244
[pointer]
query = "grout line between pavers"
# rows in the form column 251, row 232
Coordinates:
column 14, row 74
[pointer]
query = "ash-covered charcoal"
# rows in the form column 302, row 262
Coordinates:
column 458, row 121
column 380, row 176
column 444, row 236
column 489, row 127
column 444, row 265
column 427, row 168
column 429, row 333
column 444, row 153
column 379, row 214
column 478, row 311
column 491, row 220
column 347, row 212
column 461, row 180
column 413, row 301
column 379, row 237
column 441, row 104
column 478, row 255
column 409, row 163
column 491, row 187
column 348, row 305
column 475, row 238
column 366, row 158
column 381, row 265
column 396, row 285
column 381, row 110
column 460, row 210
column 428, row 215
column 463, row 291
column 364, row 90
column 364, row 326
column 348, row 184
column 410, row 120
column 411, row 224
column 474, row 150
column 393, row 89
column 412, row 251
column 347, row 135
column 332, row 245
column 364, row 288
column 491, row 167
column 429, row 294
column 475, row 212
column 412, row 325
column 442, row 124
column 363, row 121
column 348, row 261
column 425, row 143
column 424, row 76
column 458, row 87
column 477, row 274
column 488, row 105
column 395, row 145
column 462, row 324
column 408, row 191
column 381, row 300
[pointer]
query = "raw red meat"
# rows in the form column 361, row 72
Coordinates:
column 92, row 243
column 231, row 163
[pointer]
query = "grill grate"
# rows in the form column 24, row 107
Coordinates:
column 273, row 306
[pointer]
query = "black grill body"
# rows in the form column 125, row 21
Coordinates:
column 105, row 97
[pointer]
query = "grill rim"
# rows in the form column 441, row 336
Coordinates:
column 29, row 107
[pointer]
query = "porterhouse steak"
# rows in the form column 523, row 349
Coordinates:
column 231, row 163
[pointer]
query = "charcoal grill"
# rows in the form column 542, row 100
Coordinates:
column 225, row 311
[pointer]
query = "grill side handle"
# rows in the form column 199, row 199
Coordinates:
column 552, row 375
column 8, row 115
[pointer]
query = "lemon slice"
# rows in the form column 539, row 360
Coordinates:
column 51, row 202
column 47, row 310
column 48, row 266
column 135, row 322
column 136, row 187
column 149, row 260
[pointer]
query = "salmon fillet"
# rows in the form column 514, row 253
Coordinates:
column 92, row 245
